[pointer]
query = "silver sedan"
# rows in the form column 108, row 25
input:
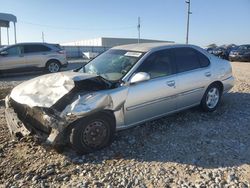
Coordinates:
column 121, row 88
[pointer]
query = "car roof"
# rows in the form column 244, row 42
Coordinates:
column 145, row 47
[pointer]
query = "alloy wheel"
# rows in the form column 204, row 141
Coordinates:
column 212, row 98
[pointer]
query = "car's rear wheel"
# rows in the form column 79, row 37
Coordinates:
column 53, row 66
column 92, row 133
column 211, row 98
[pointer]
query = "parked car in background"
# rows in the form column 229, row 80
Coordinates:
column 220, row 52
column 30, row 56
column 209, row 50
column 123, row 87
column 229, row 48
column 242, row 53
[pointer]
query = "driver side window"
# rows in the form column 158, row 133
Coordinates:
column 158, row 64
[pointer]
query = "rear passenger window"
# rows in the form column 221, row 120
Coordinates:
column 204, row 61
column 35, row 48
column 186, row 59
column 158, row 64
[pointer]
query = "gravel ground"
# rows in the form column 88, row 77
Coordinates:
column 188, row 149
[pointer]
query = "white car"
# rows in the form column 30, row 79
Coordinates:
column 31, row 56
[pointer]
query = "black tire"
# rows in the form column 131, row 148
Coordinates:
column 86, row 129
column 53, row 66
column 205, row 105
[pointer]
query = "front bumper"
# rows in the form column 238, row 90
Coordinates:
column 16, row 127
column 19, row 128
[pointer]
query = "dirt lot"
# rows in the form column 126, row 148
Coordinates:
column 188, row 149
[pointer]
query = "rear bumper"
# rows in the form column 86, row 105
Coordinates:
column 228, row 83
column 65, row 64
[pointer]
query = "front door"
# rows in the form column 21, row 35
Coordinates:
column 155, row 97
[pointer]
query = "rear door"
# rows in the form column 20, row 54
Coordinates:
column 194, row 75
column 36, row 54
column 14, row 59
column 155, row 97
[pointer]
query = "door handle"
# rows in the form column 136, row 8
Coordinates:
column 207, row 74
column 171, row 83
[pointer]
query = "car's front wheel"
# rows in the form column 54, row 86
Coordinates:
column 211, row 98
column 92, row 133
column 53, row 66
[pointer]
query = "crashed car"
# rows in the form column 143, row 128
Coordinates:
column 123, row 87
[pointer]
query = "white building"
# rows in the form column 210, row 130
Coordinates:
column 109, row 42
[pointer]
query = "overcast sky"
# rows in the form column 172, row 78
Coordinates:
column 212, row 21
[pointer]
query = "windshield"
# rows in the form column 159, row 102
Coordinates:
column 113, row 64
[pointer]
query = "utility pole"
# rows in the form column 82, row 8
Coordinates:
column 43, row 37
column 139, row 29
column 8, row 38
column 0, row 37
column 188, row 3
column 15, row 32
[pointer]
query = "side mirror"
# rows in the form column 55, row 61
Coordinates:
column 139, row 77
column 3, row 53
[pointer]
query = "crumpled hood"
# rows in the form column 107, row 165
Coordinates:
column 46, row 90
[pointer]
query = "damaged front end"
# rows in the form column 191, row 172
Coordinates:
column 29, row 112
column 23, row 120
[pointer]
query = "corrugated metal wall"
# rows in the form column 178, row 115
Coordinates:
column 76, row 51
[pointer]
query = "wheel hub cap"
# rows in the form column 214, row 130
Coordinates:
column 53, row 67
column 212, row 97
